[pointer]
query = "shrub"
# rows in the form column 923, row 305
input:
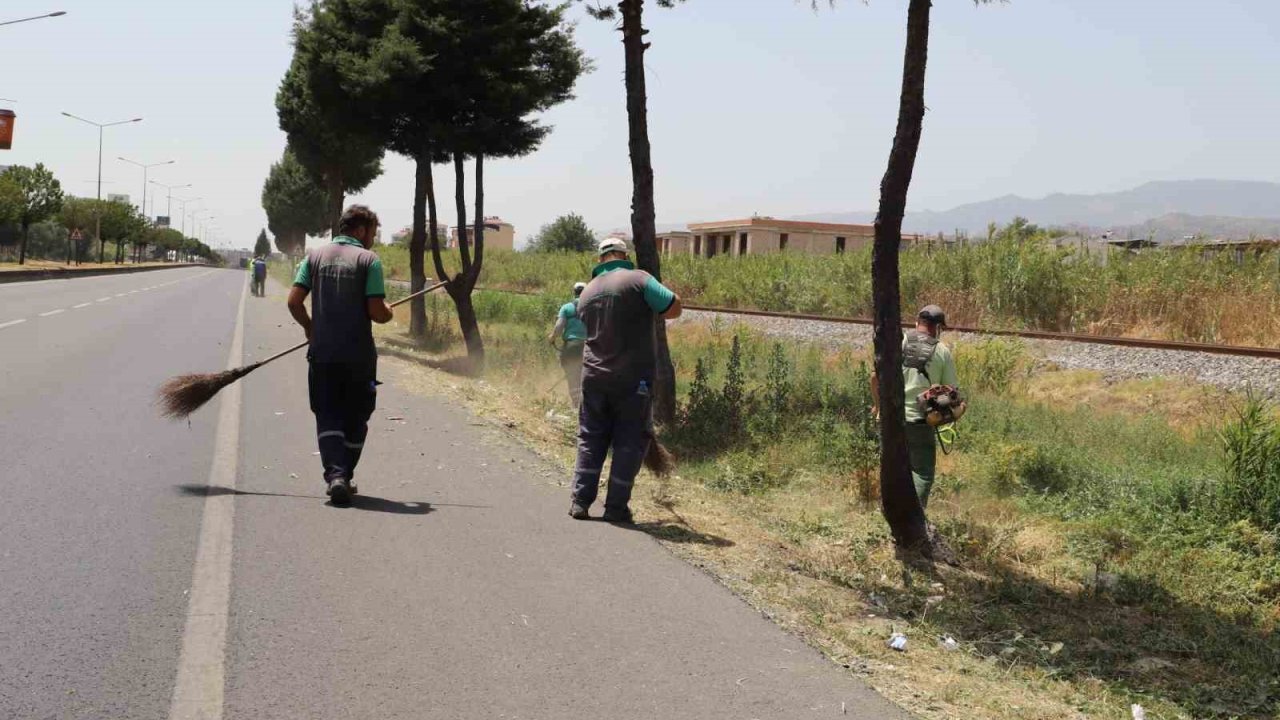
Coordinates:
column 1250, row 487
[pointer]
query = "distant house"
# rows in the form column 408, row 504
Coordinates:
column 763, row 235
column 405, row 234
column 1239, row 249
column 498, row 235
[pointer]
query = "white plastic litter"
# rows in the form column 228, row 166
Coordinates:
column 898, row 642
column 1139, row 713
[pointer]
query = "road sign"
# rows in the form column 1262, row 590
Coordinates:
column 75, row 235
column 162, row 221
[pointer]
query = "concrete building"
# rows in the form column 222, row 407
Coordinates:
column 763, row 235
column 498, row 235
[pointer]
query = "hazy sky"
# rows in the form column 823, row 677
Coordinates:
column 756, row 106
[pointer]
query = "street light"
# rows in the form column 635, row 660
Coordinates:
column 101, row 127
column 145, row 167
column 183, row 211
column 168, row 210
column 37, row 17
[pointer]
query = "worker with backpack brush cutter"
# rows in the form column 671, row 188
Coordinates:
column 932, row 392
column 569, row 327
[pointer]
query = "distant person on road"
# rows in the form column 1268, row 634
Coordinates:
column 926, row 363
column 618, row 308
column 259, row 266
column 344, row 279
column 569, row 328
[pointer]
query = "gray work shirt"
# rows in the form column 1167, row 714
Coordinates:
column 341, row 276
column 618, row 308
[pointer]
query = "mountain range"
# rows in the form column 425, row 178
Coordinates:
column 1169, row 210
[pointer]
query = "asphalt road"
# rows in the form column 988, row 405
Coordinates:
column 455, row 586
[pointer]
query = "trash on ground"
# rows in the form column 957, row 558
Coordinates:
column 1139, row 712
column 948, row 643
column 898, row 642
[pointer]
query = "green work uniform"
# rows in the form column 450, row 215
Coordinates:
column 922, row 448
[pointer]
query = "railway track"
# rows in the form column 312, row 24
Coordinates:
column 1171, row 345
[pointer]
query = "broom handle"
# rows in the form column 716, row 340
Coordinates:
column 305, row 343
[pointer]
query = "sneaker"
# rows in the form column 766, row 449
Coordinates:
column 339, row 492
column 577, row 512
column 621, row 517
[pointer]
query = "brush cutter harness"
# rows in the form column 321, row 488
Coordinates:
column 940, row 404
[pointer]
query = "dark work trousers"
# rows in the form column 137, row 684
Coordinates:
column 343, row 396
column 620, row 421
column 571, row 363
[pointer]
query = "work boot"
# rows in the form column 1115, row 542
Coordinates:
column 578, row 512
column 620, row 517
column 339, row 491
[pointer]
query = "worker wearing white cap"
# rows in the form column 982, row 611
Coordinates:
column 569, row 328
column 619, row 308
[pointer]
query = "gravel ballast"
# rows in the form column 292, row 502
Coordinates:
column 1114, row 362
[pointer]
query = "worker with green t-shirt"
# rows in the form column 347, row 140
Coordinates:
column 570, row 328
column 926, row 362
column 345, row 282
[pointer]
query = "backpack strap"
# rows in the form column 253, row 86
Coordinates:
column 918, row 351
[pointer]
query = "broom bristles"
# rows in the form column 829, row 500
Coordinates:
column 659, row 460
column 182, row 395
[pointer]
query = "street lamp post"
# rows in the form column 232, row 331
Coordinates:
column 97, row 214
column 183, row 211
column 145, row 167
column 169, row 203
column 37, row 17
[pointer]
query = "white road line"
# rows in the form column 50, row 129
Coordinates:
column 121, row 294
column 102, row 299
column 77, row 307
column 198, row 691
column 12, row 322
column 53, row 312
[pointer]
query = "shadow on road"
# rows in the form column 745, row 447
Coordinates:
column 358, row 502
column 677, row 533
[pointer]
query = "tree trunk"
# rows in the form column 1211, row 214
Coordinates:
column 460, row 288
column 899, row 502
column 460, row 202
column 102, row 248
column 643, row 230
column 433, row 232
column 333, row 185
column 417, row 244
column 22, row 247
column 477, row 258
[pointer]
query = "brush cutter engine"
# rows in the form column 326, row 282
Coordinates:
column 940, row 405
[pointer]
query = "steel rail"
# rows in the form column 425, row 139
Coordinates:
column 1174, row 345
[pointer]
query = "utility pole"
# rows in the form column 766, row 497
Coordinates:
column 97, row 212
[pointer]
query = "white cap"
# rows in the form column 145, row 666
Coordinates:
column 613, row 244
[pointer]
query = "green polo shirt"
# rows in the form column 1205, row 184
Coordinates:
column 574, row 329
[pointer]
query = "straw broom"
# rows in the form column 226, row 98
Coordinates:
column 180, row 396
